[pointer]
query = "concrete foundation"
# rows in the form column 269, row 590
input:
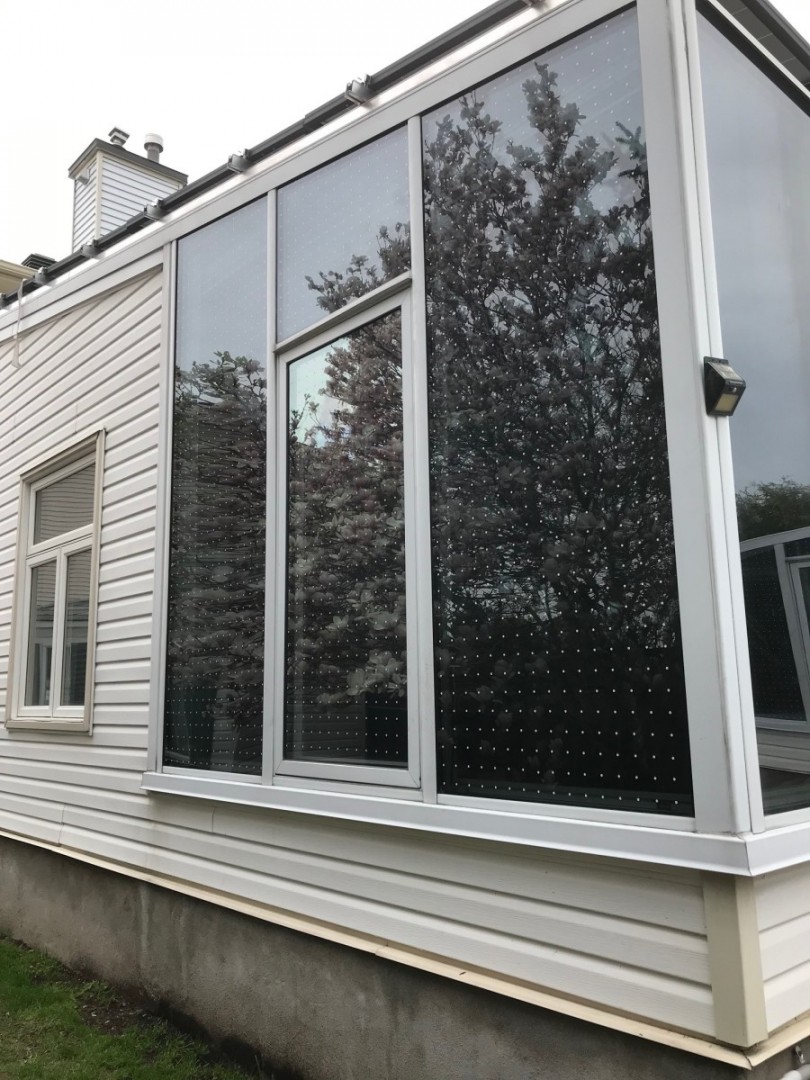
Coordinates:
column 312, row 1010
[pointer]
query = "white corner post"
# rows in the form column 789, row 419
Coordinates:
column 721, row 727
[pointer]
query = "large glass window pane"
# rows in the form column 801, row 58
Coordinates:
column 759, row 163
column 345, row 693
column 214, row 671
column 74, row 646
column 558, row 657
column 346, row 222
column 40, row 635
column 64, row 505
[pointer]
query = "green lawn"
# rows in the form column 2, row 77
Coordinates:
column 56, row 1026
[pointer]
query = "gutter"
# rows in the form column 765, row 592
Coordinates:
column 387, row 77
column 440, row 46
column 784, row 32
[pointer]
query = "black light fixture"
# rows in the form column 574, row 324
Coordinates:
column 722, row 386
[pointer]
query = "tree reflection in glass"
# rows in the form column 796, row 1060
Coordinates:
column 338, row 228
column 215, row 646
column 345, row 691
column 558, row 659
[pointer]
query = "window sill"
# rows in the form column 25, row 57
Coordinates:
column 663, row 841
column 80, row 725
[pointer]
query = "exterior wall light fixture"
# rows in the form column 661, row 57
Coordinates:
column 722, row 387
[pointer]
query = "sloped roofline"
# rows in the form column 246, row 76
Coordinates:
column 387, row 77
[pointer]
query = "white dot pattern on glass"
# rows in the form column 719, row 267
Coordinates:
column 214, row 664
column 345, row 222
column 558, row 660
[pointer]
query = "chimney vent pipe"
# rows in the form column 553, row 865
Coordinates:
column 118, row 136
column 153, row 145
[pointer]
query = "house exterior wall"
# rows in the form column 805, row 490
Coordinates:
column 640, row 943
column 625, row 937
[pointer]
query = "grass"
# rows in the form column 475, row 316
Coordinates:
column 55, row 1025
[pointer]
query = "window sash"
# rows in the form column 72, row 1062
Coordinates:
column 34, row 489
column 55, row 710
column 391, row 297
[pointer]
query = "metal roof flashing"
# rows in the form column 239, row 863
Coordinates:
column 386, row 79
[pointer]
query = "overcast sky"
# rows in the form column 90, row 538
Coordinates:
column 210, row 78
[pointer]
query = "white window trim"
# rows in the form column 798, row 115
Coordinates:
column 69, row 458
column 722, row 731
column 391, row 297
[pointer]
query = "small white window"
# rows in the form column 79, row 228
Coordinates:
column 55, row 595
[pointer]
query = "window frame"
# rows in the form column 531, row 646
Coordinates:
column 395, row 297
column 763, row 825
column 727, row 803
column 77, row 455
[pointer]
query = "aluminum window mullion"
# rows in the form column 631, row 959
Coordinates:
column 422, row 578
column 160, row 614
column 335, row 320
column 273, row 728
column 722, row 742
column 278, row 397
column 411, row 494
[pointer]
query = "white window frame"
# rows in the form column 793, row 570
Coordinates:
column 89, row 450
column 390, row 297
column 727, row 831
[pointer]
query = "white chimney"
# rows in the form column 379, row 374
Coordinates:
column 112, row 184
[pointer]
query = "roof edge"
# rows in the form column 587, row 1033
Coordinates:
column 388, row 76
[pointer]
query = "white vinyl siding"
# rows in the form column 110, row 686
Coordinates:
column 783, row 913
column 97, row 365
column 84, row 207
column 626, row 938
column 784, row 750
column 126, row 189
